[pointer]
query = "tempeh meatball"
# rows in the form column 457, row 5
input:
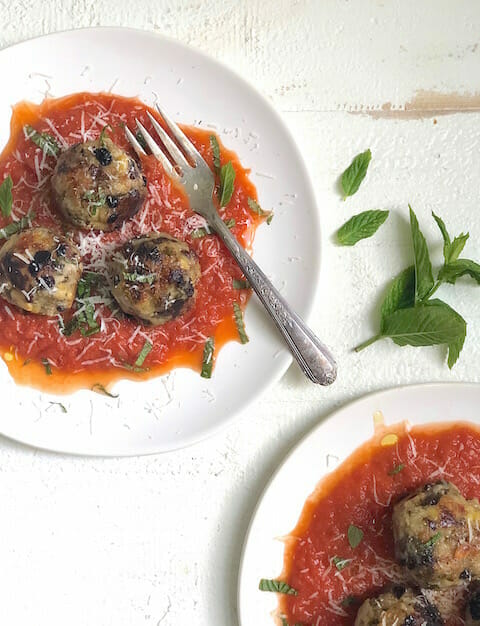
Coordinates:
column 398, row 607
column 437, row 536
column 98, row 185
column 39, row 271
column 154, row 278
column 472, row 616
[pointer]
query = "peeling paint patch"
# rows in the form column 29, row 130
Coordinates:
column 425, row 104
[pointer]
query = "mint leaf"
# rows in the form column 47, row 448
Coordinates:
column 355, row 536
column 451, row 249
column 353, row 176
column 456, row 269
column 456, row 247
column 215, row 152
column 256, row 208
column 360, row 226
column 227, row 178
column 401, row 293
column 6, row 196
column 267, row 584
column 428, row 324
column 423, row 267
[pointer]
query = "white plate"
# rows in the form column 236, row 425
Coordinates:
column 171, row 412
column 324, row 447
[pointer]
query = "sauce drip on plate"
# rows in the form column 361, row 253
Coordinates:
column 29, row 341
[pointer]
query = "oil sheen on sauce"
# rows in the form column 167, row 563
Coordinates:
column 29, row 341
column 362, row 491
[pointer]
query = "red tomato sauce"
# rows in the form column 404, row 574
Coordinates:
column 362, row 491
column 28, row 340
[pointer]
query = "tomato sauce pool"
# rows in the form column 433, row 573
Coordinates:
column 33, row 346
column 362, row 492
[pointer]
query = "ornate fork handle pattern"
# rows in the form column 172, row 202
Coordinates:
column 311, row 354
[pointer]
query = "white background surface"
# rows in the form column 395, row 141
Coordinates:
column 156, row 540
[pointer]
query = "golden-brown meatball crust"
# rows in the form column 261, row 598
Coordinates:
column 437, row 536
column 39, row 271
column 154, row 277
column 398, row 607
column 97, row 185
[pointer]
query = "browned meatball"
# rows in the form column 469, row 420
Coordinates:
column 437, row 536
column 98, row 185
column 472, row 616
column 39, row 271
column 154, row 278
column 398, row 607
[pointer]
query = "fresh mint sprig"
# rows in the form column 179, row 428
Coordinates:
column 409, row 313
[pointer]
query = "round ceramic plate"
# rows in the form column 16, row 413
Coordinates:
column 181, row 408
column 318, row 453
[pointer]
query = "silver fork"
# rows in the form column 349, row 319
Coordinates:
column 184, row 164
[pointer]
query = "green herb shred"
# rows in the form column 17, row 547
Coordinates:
column 47, row 366
column 207, row 362
column 134, row 277
column 144, row 352
column 240, row 284
column 238, row 314
column 256, row 208
column 396, row 469
column 44, row 141
column 227, row 178
column 278, row 586
column 15, row 227
column 340, row 563
column 216, row 153
column 101, row 389
column 355, row 536
column 141, row 140
column 6, row 199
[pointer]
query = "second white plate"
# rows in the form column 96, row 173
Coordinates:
column 317, row 454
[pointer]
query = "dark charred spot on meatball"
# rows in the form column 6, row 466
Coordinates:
column 112, row 201
column 49, row 281
column 116, row 280
column 398, row 591
column 103, row 155
column 176, row 308
column 429, row 615
column 12, row 268
column 132, row 170
column 447, row 519
column 177, row 278
column 418, row 554
column 144, row 178
column 409, row 621
column 474, row 604
column 434, row 492
column 61, row 249
column 466, row 575
column 112, row 218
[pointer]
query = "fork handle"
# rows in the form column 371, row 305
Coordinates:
column 312, row 355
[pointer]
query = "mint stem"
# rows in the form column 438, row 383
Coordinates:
column 367, row 343
column 432, row 290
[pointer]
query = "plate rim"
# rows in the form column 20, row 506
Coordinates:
column 285, row 360
column 330, row 417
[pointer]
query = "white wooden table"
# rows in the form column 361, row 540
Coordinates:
column 157, row 540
